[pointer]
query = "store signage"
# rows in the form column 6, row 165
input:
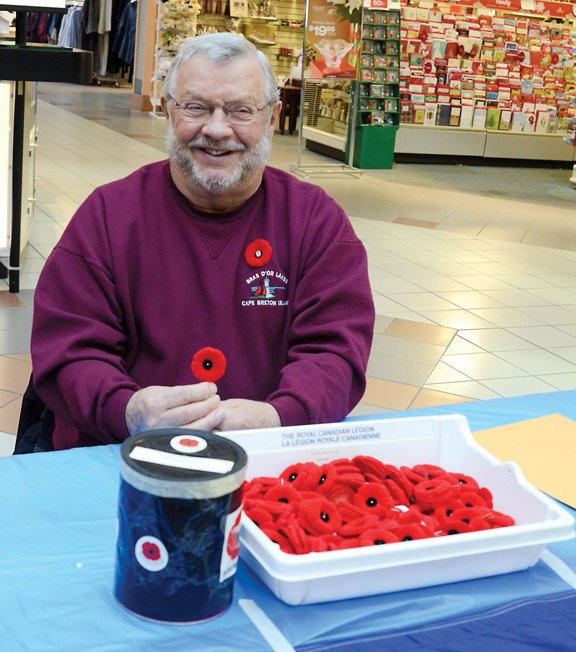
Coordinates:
column 543, row 8
column 382, row 4
column 332, row 40
column 33, row 5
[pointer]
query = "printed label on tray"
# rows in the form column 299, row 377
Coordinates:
column 339, row 436
column 326, row 454
column 231, row 546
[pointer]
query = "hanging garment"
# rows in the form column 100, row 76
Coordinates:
column 125, row 42
column 70, row 35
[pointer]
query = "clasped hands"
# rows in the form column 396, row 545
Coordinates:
column 197, row 407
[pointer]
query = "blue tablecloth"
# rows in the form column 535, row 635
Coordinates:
column 57, row 536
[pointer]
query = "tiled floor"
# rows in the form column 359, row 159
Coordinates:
column 473, row 269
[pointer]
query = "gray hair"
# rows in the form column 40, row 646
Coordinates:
column 220, row 48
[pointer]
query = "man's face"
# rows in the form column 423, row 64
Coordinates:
column 217, row 155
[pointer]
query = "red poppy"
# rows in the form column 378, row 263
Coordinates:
column 349, row 511
column 412, row 476
column 497, row 519
column 429, row 471
column 353, row 480
column 433, row 493
column 298, row 538
column 398, row 495
column 370, row 465
column 285, row 519
column 472, row 499
column 446, row 510
column 151, row 551
column 303, row 477
column 340, row 491
column 487, row 496
column 455, row 526
column 318, row 544
column 346, row 544
column 377, row 537
column 208, row 364
column 392, row 473
column 280, row 539
column 328, row 475
column 466, row 482
column 374, row 499
column 260, row 517
column 258, row 253
column 319, row 517
column 359, row 525
column 283, row 493
column 410, row 532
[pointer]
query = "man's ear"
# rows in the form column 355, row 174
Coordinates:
column 164, row 105
column 274, row 117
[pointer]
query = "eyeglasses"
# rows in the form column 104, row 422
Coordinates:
column 238, row 113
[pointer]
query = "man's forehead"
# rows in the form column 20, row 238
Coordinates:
column 200, row 65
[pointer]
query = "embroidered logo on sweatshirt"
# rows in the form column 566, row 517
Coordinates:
column 266, row 287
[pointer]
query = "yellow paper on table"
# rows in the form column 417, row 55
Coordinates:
column 545, row 450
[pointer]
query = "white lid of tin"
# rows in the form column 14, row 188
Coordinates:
column 181, row 463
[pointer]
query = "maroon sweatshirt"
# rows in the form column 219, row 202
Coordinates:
column 141, row 280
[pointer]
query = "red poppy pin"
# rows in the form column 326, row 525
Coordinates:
column 258, row 253
column 208, row 364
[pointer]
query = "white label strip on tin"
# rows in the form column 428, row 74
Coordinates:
column 180, row 462
column 273, row 636
column 559, row 567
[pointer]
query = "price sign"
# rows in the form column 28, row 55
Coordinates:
column 332, row 39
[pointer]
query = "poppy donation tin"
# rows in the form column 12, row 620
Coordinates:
column 179, row 515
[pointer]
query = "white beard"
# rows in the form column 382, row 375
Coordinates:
column 215, row 180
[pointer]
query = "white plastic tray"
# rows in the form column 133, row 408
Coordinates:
column 444, row 441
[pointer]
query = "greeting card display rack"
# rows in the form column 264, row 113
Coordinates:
column 379, row 90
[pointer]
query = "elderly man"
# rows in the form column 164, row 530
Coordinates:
column 209, row 249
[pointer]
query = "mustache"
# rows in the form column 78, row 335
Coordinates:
column 204, row 142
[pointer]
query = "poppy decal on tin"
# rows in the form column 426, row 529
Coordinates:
column 188, row 444
column 151, row 553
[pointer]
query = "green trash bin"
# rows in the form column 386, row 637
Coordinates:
column 374, row 147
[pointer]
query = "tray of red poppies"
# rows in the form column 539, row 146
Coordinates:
column 443, row 441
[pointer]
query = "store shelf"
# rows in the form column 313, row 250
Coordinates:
column 455, row 141
column 324, row 138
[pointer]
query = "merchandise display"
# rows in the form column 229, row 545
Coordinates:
column 476, row 70
column 364, row 502
column 379, row 68
column 277, row 30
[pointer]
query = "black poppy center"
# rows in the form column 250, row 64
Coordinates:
column 258, row 254
column 448, row 512
column 207, row 364
column 461, row 481
column 292, row 477
column 379, row 542
column 322, row 480
column 371, row 502
column 283, row 500
column 324, row 517
column 466, row 520
column 407, row 538
column 453, row 532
